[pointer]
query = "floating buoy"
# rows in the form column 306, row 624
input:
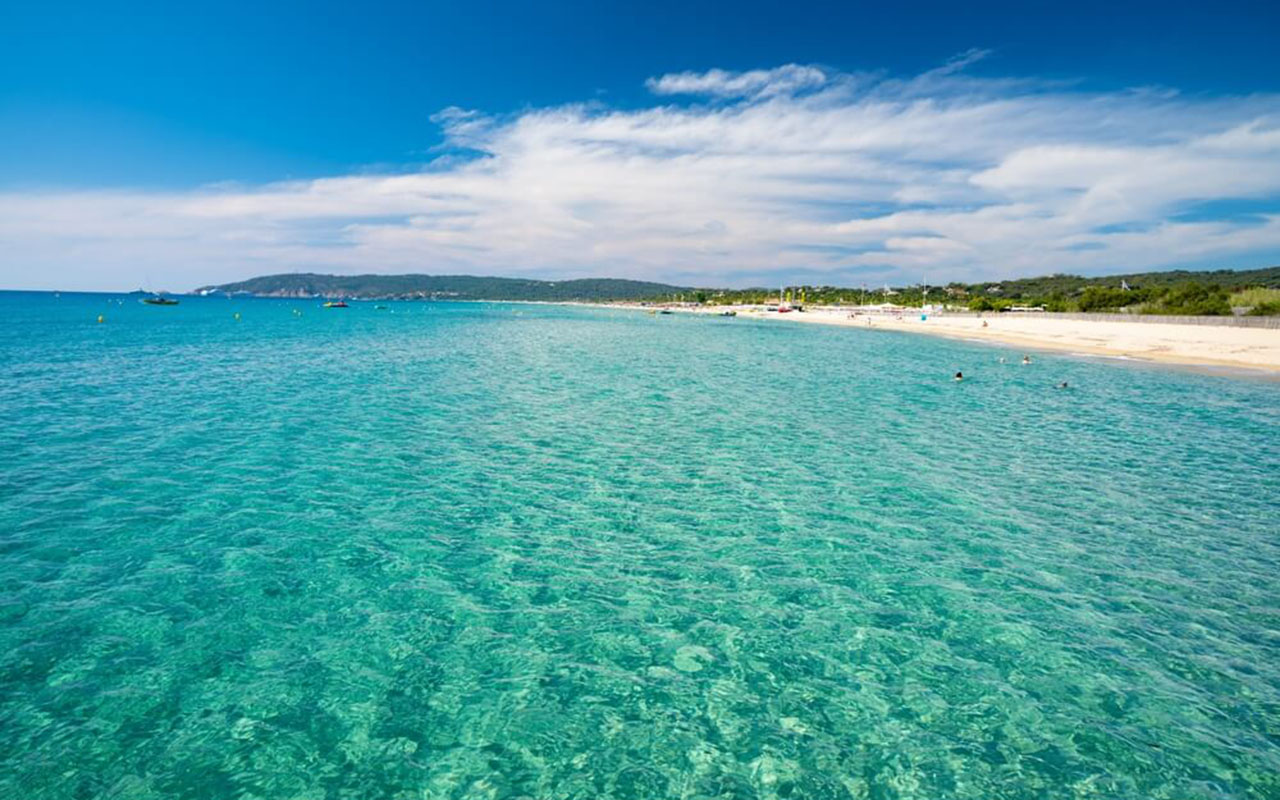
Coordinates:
column 101, row 318
column 237, row 316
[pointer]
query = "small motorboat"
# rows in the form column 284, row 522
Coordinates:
column 160, row 300
column 336, row 304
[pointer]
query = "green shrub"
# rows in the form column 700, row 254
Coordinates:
column 1105, row 298
column 1054, row 302
column 1252, row 298
column 1192, row 299
column 1266, row 309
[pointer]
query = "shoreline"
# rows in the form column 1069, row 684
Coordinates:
column 1256, row 350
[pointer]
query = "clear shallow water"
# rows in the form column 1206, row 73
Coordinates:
column 471, row 551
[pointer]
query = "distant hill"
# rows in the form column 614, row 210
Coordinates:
column 1060, row 292
column 441, row 287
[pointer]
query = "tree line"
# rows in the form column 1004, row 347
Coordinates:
column 1177, row 292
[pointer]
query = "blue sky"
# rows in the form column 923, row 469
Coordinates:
column 529, row 138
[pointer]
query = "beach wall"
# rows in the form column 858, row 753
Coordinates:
column 1172, row 319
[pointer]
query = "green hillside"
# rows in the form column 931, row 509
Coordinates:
column 1173, row 292
column 441, row 287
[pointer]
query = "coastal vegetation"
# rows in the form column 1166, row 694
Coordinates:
column 1190, row 299
column 1260, row 302
column 441, row 287
column 1215, row 292
column 1218, row 292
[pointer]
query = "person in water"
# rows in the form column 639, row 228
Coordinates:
column 1062, row 385
column 1026, row 360
column 959, row 376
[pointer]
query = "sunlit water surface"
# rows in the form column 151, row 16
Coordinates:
column 499, row 551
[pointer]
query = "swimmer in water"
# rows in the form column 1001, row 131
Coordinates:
column 1001, row 359
column 959, row 376
column 1026, row 360
column 1062, row 385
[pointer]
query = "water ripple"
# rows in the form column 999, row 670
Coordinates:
column 460, row 552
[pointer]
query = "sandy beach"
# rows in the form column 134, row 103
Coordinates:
column 1174, row 343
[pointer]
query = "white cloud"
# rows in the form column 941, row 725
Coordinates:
column 793, row 170
column 755, row 83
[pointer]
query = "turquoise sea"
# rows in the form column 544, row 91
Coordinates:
column 508, row 551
